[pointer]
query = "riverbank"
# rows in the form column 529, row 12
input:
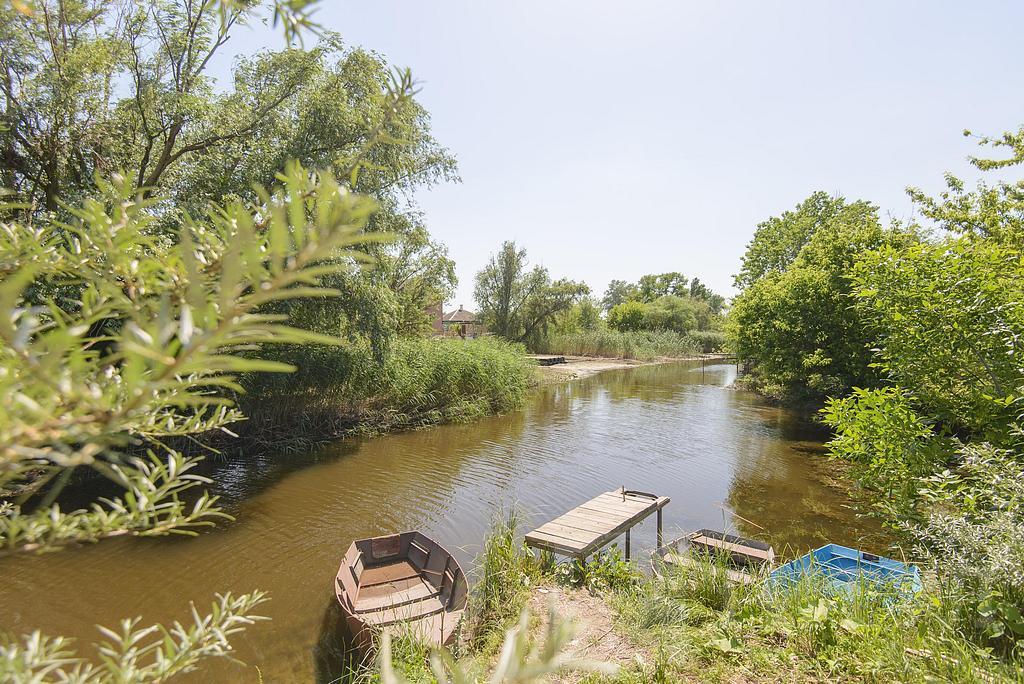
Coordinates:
column 693, row 625
column 576, row 367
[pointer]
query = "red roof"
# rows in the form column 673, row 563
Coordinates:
column 460, row 316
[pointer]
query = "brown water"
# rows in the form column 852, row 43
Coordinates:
column 725, row 458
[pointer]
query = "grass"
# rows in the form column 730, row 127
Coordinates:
column 698, row 625
column 504, row 573
column 703, row 626
column 642, row 346
column 416, row 383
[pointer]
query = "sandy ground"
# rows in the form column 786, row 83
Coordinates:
column 584, row 366
column 596, row 637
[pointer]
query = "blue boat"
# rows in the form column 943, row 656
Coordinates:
column 844, row 568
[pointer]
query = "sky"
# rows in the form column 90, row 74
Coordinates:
column 614, row 139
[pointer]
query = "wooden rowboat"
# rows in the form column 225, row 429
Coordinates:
column 743, row 554
column 403, row 581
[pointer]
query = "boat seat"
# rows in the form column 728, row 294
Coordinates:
column 409, row 611
column 396, row 593
column 389, row 572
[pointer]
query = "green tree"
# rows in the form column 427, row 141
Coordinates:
column 949, row 317
column 671, row 313
column 700, row 291
column 618, row 292
column 778, row 240
column 628, row 316
column 795, row 323
column 517, row 302
column 588, row 314
column 94, row 87
column 943, row 439
column 653, row 286
column 113, row 400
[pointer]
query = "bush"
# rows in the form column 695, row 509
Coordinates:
column 417, row 382
column 710, row 341
column 628, row 316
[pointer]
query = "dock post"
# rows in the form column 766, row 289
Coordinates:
column 627, row 544
column 660, row 544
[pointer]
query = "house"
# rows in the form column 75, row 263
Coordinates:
column 435, row 312
column 463, row 323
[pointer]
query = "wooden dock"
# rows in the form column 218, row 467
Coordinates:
column 597, row 522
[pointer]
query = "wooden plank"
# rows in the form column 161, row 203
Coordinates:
column 556, row 538
column 585, row 536
column 388, row 572
column 399, row 597
column 601, row 510
column 594, row 523
column 571, row 533
column 737, row 549
column 583, row 523
column 610, row 509
column 554, row 543
column 593, row 517
column 617, row 506
column 618, row 499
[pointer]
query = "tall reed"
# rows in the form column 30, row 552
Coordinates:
column 641, row 345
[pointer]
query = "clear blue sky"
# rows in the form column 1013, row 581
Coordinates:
column 614, row 139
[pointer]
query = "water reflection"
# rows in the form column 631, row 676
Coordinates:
column 725, row 458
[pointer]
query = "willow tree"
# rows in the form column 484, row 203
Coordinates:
column 119, row 339
column 518, row 302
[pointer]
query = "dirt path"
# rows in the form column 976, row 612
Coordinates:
column 596, row 637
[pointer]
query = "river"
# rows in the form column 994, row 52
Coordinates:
column 727, row 459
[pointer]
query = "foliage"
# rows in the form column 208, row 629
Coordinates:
column 709, row 341
column 779, row 240
column 672, row 313
column 642, row 346
column 705, row 627
column 628, row 316
column 618, row 292
column 583, row 316
column 132, row 653
column 96, row 87
column 795, row 323
column 68, row 121
column 339, row 390
column 85, row 394
column 505, row 571
column 665, row 301
column 950, row 322
column 975, row 537
column 652, row 287
column 138, row 359
column 518, row 303
column 701, row 292
column 890, row 444
column 605, row 570
column 519, row 662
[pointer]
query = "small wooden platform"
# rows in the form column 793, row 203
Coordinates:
column 597, row 522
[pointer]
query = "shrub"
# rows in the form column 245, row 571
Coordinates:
column 710, row 341
column 628, row 316
column 417, row 382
